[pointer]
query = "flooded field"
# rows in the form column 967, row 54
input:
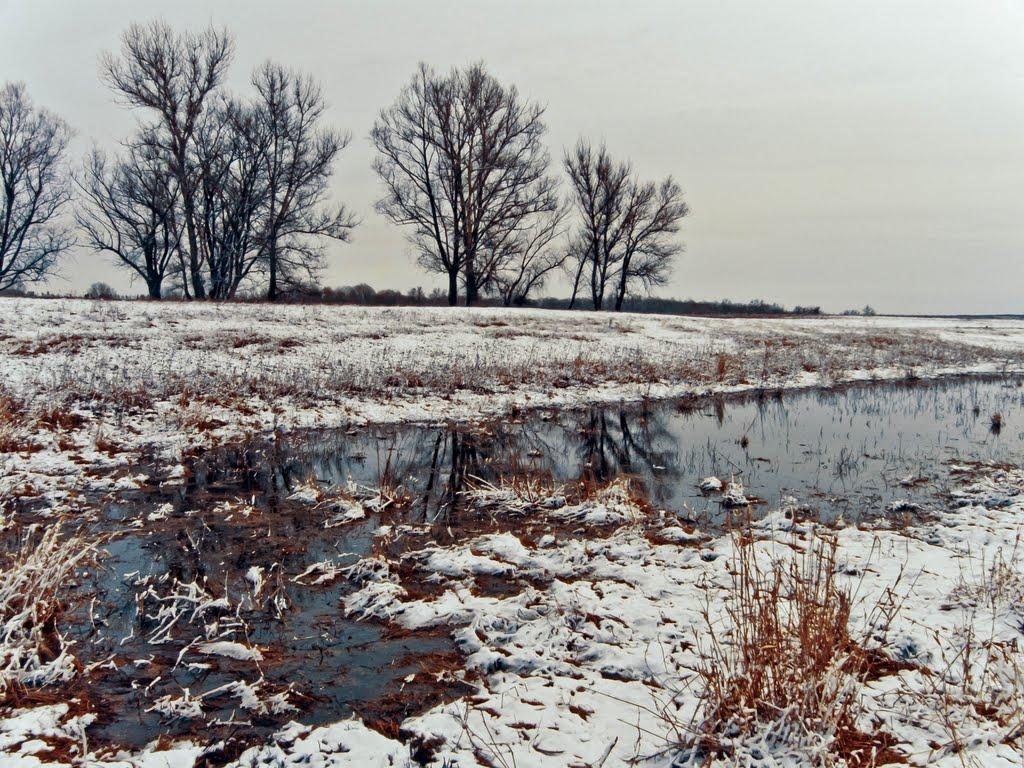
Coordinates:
column 849, row 451
column 223, row 586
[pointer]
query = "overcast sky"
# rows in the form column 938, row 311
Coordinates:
column 833, row 153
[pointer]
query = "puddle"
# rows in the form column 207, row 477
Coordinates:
column 841, row 452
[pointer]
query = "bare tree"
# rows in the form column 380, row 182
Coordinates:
column 32, row 232
column 129, row 212
column 599, row 188
column 625, row 228
column 101, row 291
column 297, row 158
column 464, row 167
column 173, row 75
column 420, row 169
column 507, row 181
column 654, row 212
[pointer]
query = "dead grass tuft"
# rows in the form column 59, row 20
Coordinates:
column 784, row 670
column 34, row 583
column 722, row 364
column 56, row 417
column 998, row 585
column 15, row 427
column 996, row 423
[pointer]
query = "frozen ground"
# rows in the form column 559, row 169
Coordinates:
column 101, row 384
column 585, row 651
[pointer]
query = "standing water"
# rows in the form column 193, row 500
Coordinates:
column 220, row 558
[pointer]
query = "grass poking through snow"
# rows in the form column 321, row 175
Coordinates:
column 34, row 581
column 782, row 674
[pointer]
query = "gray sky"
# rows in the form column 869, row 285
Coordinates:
column 832, row 153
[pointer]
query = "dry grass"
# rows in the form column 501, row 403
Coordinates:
column 16, row 427
column 976, row 679
column 997, row 585
column 979, row 676
column 254, row 357
column 783, row 673
column 34, row 583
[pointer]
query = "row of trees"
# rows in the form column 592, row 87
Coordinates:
column 213, row 189
column 465, row 169
column 215, row 193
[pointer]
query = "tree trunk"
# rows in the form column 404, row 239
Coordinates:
column 153, row 284
column 189, row 209
column 620, row 294
column 272, row 291
column 472, row 291
column 596, row 285
column 198, row 287
column 453, row 288
column 576, row 283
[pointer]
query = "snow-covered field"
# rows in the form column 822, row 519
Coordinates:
column 583, row 622
column 94, row 384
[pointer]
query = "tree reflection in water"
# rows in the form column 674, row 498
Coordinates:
column 802, row 445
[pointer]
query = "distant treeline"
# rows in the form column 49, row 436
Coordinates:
column 218, row 194
column 366, row 295
column 654, row 305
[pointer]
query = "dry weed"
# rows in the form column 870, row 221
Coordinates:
column 783, row 675
column 34, row 585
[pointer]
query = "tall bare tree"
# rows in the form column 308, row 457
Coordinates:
column 34, row 189
column 297, row 159
column 173, row 75
column 649, row 247
column 625, row 228
column 420, row 170
column 129, row 211
column 464, row 167
column 507, row 181
column 599, row 186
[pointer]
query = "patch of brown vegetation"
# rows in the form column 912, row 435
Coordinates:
column 107, row 445
column 34, row 577
column 787, row 659
column 56, row 417
column 723, row 363
column 248, row 340
column 69, row 343
column 14, row 427
column 435, row 682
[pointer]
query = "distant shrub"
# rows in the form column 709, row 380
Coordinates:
column 100, row 291
column 867, row 311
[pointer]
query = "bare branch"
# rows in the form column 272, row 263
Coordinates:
column 130, row 212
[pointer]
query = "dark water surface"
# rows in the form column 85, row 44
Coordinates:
column 841, row 452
